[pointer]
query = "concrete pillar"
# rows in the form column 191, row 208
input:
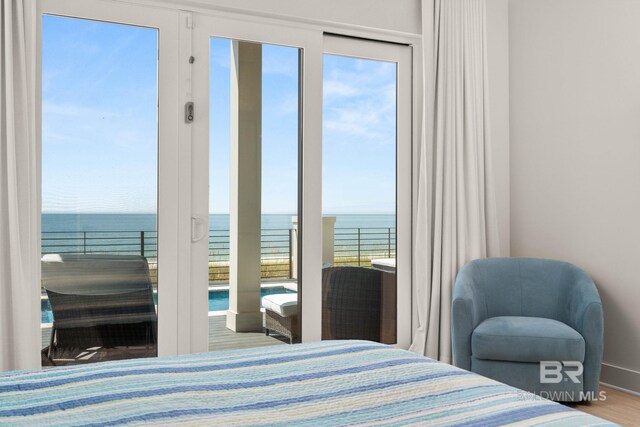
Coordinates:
column 245, row 190
column 328, row 236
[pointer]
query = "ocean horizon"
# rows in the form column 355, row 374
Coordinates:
column 67, row 222
column 128, row 233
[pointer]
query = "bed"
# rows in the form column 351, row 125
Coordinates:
column 324, row 383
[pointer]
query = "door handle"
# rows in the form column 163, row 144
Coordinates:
column 198, row 230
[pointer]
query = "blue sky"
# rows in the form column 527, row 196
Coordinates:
column 358, row 136
column 99, row 126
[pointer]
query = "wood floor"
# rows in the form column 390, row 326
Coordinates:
column 618, row 407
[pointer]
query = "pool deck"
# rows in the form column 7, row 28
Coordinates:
column 290, row 284
column 220, row 338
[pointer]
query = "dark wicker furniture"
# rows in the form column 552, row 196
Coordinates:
column 351, row 303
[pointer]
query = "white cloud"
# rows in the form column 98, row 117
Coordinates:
column 74, row 110
column 360, row 100
column 339, row 89
column 287, row 105
column 278, row 66
column 372, row 119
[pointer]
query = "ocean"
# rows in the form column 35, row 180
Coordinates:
column 52, row 222
column 137, row 233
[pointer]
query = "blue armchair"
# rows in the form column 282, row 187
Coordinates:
column 510, row 314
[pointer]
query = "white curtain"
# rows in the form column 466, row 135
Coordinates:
column 19, row 269
column 455, row 218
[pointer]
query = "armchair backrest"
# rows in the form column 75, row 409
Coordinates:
column 524, row 286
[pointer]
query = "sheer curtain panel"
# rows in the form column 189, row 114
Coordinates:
column 19, row 268
column 455, row 218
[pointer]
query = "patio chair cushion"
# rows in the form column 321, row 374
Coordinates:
column 283, row 304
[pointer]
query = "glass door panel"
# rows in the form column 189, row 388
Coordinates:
column 99, row 191
column 364, row 162
column 359, row 199
column 253, row 194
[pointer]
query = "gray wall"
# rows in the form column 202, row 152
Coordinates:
column 575, row 153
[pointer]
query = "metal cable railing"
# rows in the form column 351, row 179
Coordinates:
column 359, row 245
column 352, row 246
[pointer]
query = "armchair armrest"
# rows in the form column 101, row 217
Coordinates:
column 584, row 314
column 468, row 310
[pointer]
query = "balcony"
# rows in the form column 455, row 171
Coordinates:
column 351, row 246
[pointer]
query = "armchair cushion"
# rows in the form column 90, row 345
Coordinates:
column 526, row 339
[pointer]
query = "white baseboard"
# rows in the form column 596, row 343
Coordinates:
column 620, row 378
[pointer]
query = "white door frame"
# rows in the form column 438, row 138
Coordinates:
column 183, row 150
column 310, row 43
column 313, row 44
column 401, row 56
column 168, row 182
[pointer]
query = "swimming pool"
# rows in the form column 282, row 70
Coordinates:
column 218, row 300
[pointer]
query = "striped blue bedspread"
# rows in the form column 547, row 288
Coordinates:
column 326, row 383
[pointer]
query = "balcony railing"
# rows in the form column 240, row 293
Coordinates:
column 358, row 246
column 352, row 246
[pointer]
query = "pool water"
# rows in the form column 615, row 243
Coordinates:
column 218, row 300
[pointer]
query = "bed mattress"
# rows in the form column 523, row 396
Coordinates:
column 324, row 383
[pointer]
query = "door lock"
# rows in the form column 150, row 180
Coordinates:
column 188, row 112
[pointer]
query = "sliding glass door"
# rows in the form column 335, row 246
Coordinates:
column 106, row 251
column 218, row 182
column 248, row 93
column 253, row 189
column 366, row 191
column 307, row 239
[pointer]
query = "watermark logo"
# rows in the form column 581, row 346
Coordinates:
column 562, row 396
column 554, row 372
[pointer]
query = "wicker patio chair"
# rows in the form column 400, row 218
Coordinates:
column 281, row 315
column 351, row 303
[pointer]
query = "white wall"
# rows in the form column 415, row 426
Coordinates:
column 393, row 15
column 498, row 70
column 575, row 153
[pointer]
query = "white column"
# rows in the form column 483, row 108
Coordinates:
column 328, row 238
column 328, row 235
column 245, row 192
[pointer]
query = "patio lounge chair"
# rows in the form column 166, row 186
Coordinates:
column 99, row 301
